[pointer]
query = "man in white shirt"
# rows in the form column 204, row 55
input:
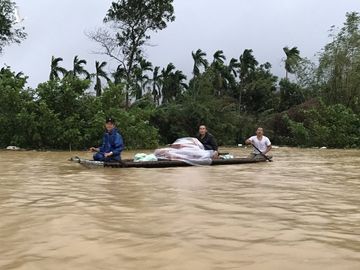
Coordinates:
column 261, row 142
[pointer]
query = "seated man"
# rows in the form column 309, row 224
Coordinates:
column 260, row 142
column 207, row 140
column 112, row 144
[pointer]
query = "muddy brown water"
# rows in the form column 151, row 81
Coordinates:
column 301, row 211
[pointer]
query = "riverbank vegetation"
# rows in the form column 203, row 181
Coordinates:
column 315, row 104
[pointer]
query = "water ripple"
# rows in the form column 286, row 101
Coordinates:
column 300, row 211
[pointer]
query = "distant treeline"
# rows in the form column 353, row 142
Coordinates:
column 319, row 106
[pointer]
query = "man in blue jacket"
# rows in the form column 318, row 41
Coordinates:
column 112, row 144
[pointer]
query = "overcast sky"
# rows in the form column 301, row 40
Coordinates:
column 266, row 26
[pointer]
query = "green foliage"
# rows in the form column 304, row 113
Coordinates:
column 290, row 95
column 292, row 59
column 113, row 96
column 173, row 83
column 55, row 69
column 259, row 90
column 299, row 134
column 334, row 126
column 339, row 66
column 13, row 98
column 199, row 106
column 135, row 128
column 9, row 32
column 78, row 68
column 155, row 105
column 131, row 23
column 59, row 114
column 199, row 60
column 99, row 73
column 322, row 125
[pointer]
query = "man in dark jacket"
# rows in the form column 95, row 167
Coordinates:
column 207, row 140
column 112, row 144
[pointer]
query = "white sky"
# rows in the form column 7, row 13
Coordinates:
column 266, row 26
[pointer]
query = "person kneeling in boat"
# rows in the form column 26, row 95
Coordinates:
column 112, row 144
column 260, row 142
column 207, row 140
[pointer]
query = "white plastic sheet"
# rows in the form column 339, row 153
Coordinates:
column 189, row 150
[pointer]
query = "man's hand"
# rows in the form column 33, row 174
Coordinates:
column 108, row 154
column 248, row 141
column 94, row 149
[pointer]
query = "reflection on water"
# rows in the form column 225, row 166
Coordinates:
column 301, row 211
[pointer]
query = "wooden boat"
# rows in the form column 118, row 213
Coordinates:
column 128, row 163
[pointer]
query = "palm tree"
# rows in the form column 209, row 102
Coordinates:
column 141, row 78
column 119, row 75
column 199, row 60
column 292, row 59
column 99, row 73
column 217, row 65
column 166, row 82
column 156, row 85
column 219, row 57
column 55, row 69
column 19, row 75
column 179, row 79
column 177, row 84
column 172, row 83
column 165, row 73
column 231, row 72
column 248, row 65
column 233, row 66
column 78, row 68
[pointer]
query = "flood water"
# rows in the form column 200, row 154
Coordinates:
column 301, row 211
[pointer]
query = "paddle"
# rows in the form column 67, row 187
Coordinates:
column 261, row 153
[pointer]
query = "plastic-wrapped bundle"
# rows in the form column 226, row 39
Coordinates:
column 189, row 150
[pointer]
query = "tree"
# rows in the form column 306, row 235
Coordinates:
column 233, row 66
column 219, row 57
column 232, row 72
column 14, row 99
column 219, row 80
column 172, row 83
column 119, row 75
column 131, row 22
column 156, row 85
column 248, row 64
column 260, row 89
column 56, row 69
column 141, row 78
column 9, row 32
column 199, row 60
column 292, row 59
column 339, row 65
column 290, row 94
column 99, row 73
column 78, row 67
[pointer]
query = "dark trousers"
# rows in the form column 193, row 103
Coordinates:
column 101, row 157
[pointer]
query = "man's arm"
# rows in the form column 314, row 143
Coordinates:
column 100, row 148
column 268, row 148
column 118, row 145
column 249, row 141
column 213, row 143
